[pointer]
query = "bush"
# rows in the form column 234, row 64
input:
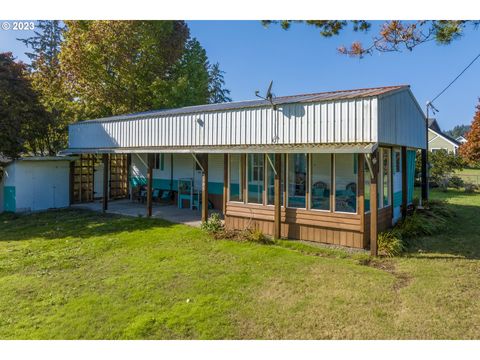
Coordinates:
column 456, row 182
column 390, row 243
column 257, row 236
column 213, row 224
column 470, row 188
column 431, row 220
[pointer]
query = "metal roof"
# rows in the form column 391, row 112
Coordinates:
column 301, row 98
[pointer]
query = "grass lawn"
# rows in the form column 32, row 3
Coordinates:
column 82, row 275
column 470, row 175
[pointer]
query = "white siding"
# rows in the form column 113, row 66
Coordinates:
column 400, row 121
column 329, row 122
column 40, row 185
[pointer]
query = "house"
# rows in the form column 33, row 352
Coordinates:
column 437, row 140
column 35, row 183
column 334, row 167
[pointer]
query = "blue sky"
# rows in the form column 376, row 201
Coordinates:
column 301, row 61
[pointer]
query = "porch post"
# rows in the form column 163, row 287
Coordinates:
column 106, row 168
column 424, row 176
column 361, row 192
column 404, row 181
column 150, row 159
column 205, row 187
column 277, row 232
column 374, row 205
column 225, row 183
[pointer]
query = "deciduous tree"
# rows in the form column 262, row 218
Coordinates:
column 117, row 67
column 470, row 151
column 23, row 121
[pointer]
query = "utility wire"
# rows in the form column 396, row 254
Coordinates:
column 451, row 83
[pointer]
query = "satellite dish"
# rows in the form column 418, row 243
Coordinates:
column 268, row 96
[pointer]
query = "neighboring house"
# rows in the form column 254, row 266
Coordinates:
column 35, row 183
column 299, row 167
column 437, row 140
column 461, row 139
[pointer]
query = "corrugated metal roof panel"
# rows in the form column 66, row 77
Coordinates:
column 301, row 98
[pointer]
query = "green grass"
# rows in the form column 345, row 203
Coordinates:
column 470, row 175
column 82, row 275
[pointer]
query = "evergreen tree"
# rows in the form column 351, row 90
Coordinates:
column 217, row 91
column 458, row 130
column 46, row 79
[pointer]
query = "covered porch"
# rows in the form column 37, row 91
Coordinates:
column 127, row 207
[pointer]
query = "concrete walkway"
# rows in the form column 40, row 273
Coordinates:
column 129, row 208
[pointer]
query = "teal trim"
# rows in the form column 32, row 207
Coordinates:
column 411, row 154
column 9, row 199
column 397, row 198
column 214, row 188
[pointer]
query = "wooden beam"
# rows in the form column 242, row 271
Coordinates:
column 105, row 159
column 243, row 170
column 424, row 176
column 150, row 160
column 277, row 232
column 204, row 187
column 225, row 183
column 374, row 205
column 404, row 181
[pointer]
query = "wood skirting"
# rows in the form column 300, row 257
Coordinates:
column 325, row 227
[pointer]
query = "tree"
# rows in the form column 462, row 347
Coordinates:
column 394, row 35
column 217, row 91
column 458, row 130
column 23, row 121
column 117, row 67
column 189, row 83
column 443, row 165
column 470, row 151
column 46, row 79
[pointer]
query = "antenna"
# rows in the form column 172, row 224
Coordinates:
column 269, row 96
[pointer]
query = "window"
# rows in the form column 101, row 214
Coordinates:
column 385, row 177
column 255, row 178
column 366, row 192
column 321, row 180
column 346, row 183
column 297, row 177
column 271, row 180
column 235, row 178
column 159, row 162
column 398, row 161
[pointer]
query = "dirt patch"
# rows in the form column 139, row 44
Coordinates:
column 401, row 279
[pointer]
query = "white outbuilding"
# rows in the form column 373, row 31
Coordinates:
column 35, row 183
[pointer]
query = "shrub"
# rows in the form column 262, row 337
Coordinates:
column 470, row 188
column 257, row 236
column 390, row 243
column 456, row 182
column 428, row 221
column 213, row 224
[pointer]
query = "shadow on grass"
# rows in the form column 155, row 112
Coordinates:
column 78, row 223
column 460, row 239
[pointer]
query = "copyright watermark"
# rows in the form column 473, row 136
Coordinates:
column 17, row 25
